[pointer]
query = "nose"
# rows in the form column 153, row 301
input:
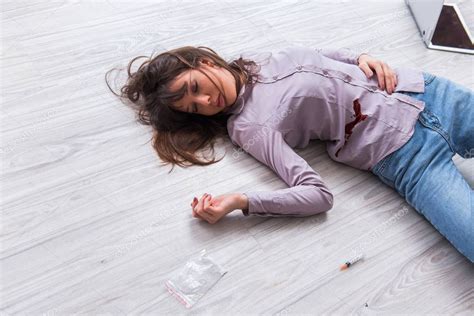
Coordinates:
column 203, row 100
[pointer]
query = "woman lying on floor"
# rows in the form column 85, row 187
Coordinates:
column 403, row 125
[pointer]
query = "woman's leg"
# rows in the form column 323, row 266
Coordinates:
column 433, row 185
column 443, row 196
column 423, row 172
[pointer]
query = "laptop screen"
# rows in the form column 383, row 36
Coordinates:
column 450, row 31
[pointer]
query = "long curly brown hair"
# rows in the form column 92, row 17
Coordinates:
column 178, row 136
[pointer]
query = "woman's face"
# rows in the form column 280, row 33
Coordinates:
column 202, row 96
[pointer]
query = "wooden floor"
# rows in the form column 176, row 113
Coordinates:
column 93, row 224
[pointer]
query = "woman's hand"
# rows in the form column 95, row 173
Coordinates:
column 213, row 209
column 386, row 76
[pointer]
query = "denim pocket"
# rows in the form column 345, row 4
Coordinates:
column 431, row 121
column 428, row 78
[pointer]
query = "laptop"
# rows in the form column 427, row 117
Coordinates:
column 441, row 25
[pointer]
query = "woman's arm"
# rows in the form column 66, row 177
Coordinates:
column 386, row 77
column 307, row 193
column 243, row 202
column 344, row 55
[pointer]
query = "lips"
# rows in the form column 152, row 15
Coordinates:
column 220, row 101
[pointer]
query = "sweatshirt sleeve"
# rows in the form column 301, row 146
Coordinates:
column 307, row 193
column 344, row 55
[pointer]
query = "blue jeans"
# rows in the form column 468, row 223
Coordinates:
column 422, row 170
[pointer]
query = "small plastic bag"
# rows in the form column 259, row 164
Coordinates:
column 191, row 282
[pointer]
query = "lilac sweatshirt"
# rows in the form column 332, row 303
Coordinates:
column 305, row 94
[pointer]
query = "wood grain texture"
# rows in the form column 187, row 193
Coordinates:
column 91, row 223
